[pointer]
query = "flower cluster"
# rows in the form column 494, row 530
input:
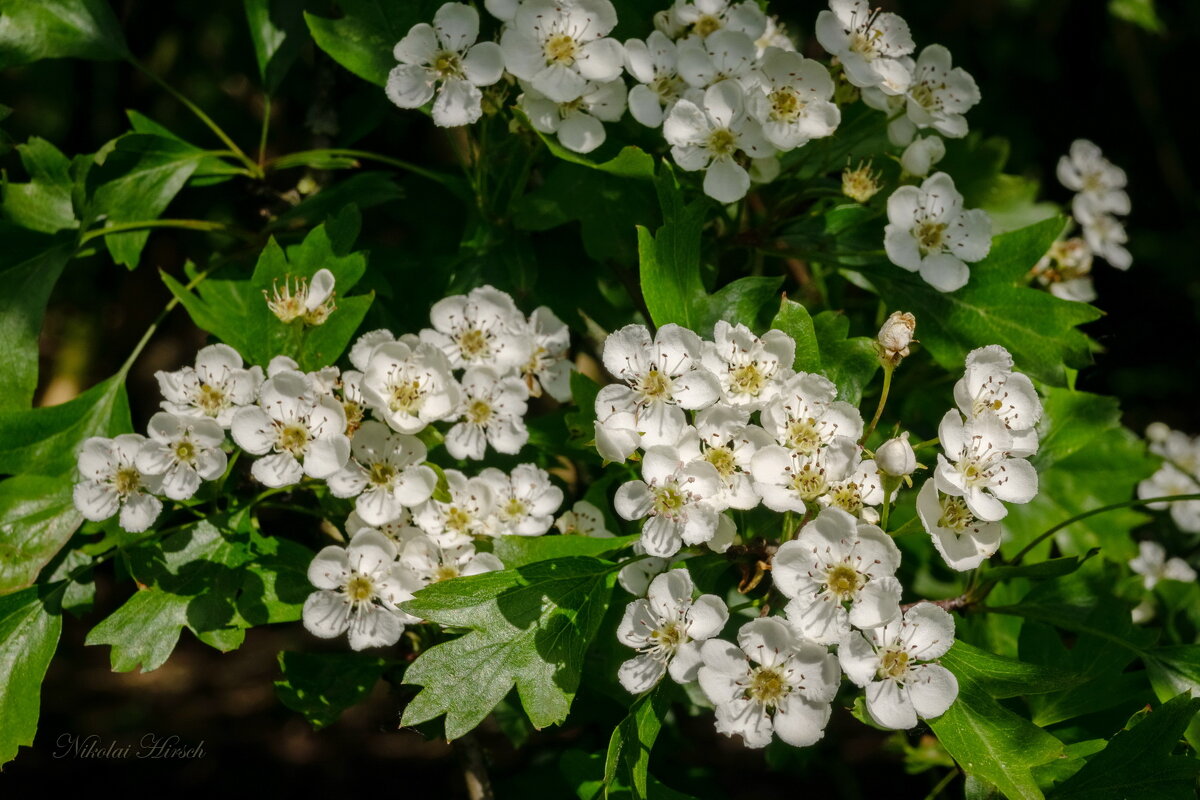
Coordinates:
column 1179, row 474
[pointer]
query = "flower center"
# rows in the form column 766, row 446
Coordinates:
column 722, row 459
column 862, row 41
column 893, row 664
column 127, row 481
column 561, row 49
column 848, row 498
column 844, row 581
column 669, row 501
column 473, row 344
column 803, row 436
column 445, row 572
column 722, row 142
column 479, row 412
column 955, row 514
column 447, row 64
column 360, row 589
column 381, row 474
column 210, row 400
column 809, row 482
column 185, row 451
column 294, row 439
column 667, row 87
column 931, row 236
column 457, row 519
column 924, row 95
column 786, row 105
column 706, row 24
column 1094, row 182
column 354, row 416
column 767, row 686
column 514, row 508
column 667, row 639
column 862, row 183
column 747, row 379
column 406, row 397
column 655, row 385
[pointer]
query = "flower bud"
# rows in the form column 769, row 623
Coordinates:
column 1157, row 432
column 895, row 457
column 896, row 335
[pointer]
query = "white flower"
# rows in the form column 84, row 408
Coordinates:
column 399, row 530
column 617, row 436
column 1101, row 183
column 771, row 682
column 788, row 480
column 940, row 95
column 676, row 498
column 410, row 385
column 312, row 303
column 660, row 377
column 1066, row 269
column 577, row 122
column 304, row 434
column 806, row 417
column 463, row 516
column 583, row 519
column 523, row 502
column 364, row 347
column 216, row 387
column 773, row 35
column 429, row 562
column 183, row 451
column 928, row 231
column 1169, row 480
column 978, row 466
column 724, row 55
column 724, row 438
column 483, row 328
column 896, row 458
column 793, row 100
column 870, row 44
column 890, row 663
column 921, row 154
column 989, row 386
column 704, row 17
column 838, row 572
column 1153, row 565
column 503, row 10
column 963, row 540
column 710, row 137
column 856, row 494
column 1175, row 446
column 110, row 481
column 654, row 65
column 635, row 576
column 750, row 370
column 558, row 46
column 668, row 628
column 1103, row 232
column 493, row 413
column 385, row 474
column 896, row 335
column 548, row 368
column 359, row 589
column 349, row 391
column 445, row 53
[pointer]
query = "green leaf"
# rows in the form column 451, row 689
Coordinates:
column 136, row 181
column 628, row 759
column 323, row 685
column 29, row 269
column 744, row 301
column 30, row 31
column 44, row 204
column 1073, row 758
column 518, row 551
column 37, row 517
column 631, row 162
column 1139, row 763
column 997, row 307
column 528, row 627
column 45, row 440
column 580, row 420
column 276, row 28
column 794, row 320
column 29, row 634
column 1004, row 677
column 362, row 40
column 849, row 361
column 1138, row 12
column 670, row 259
column 211, row 168
column 1174, row 669
column 1041, row 570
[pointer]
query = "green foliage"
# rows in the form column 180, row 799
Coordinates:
column 519, row 551
column 59, row 29
column 527, row 627
column 848, row 361
column 29, row 629
column 44, row 204
column 628, row 757
column 1138, row 12
column 37, row 517
column 794, row 320
column 277, row 31
column 323, row 685
column 363, row 38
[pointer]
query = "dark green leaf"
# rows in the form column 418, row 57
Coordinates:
column 628, row 759
column 670, row 265
column 517, row 551
column 323, row 685
column 363, row 38
column 43, row 204
column 29, row 632
column 210, row 168
column 849, row 361
column 746, row 301
column 1002, row 677
column 1138, row 12
column 529, row 627
column 276, row 28
column 1041, row 570
column 30, row 31
column 37, row 517
column 794, row 320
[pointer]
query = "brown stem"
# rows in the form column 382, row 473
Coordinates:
column 470, row 757
column 962, row 601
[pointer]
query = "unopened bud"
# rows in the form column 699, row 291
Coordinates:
column 895, row 457
column 896, row 335
column 920, row 156
column 1157, row 432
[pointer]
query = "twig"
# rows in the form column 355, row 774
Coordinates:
column 470, row 757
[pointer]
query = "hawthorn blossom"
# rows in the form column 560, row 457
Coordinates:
column 861, row 183
column 1104, row 233
column 548, row 369
column 1153, row 565
column 1099, row 182
column 793, row 101
column 559, row 46
column 979, row 468
column 464, row 515
column 788, row 480
column 1066, row 270
column 217, row 386
column 963, row 540
column 183, row 451
column 399, row 530
column 304, row 435
column 364, row 346
column 896, row 335
column 492, row 413
column 806, row 417
column 654, row 64
column 349, row 391
column 446, row 54
column 856, row 494
column 359, row 589
column 989, row 386
column 838, row 572
column 725, row 55
column 929, row 232
column 110, row 482
column 921, row 154
column 482, row 328
column 724, row 438
column 675, row 499
column 578, row 123
column 939, row 95
column 870, row 44
column 773, row 35
column 667, row 628
column 310, row 302
column 660, row 378
column 708, row 136
column 384, row 475
column 701, row 18
column 523, row 502
column 635, row 576
column 892, row 664
column 583, row 519
column 1169, row 481
column 431, row 563
column 895, row 457
column 771, row 682
column 410, row 385
column 749, row 369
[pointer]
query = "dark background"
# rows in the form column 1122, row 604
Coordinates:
column 1050, row 71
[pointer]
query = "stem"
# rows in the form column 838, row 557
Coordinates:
column 903, row 529
column 255, row 170
column 887, row 507
column 942, row 784
column 148, row 224
column 167, row 309
column 266, row 126
column 299, row 159
column 470, row 758
column 1092, row 512
column 888, row 369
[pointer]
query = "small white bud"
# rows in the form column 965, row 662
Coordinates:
column 896, row 335
column 920, row 156
column 895, row 457
column 1157, row 432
